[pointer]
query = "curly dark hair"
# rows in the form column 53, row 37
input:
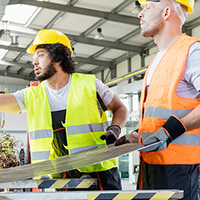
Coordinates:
column 60, row 53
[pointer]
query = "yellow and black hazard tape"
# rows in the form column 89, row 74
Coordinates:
column 136, row 195
column 67, row 183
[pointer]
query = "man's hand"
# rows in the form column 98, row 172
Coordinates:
column 172, row 129
column 132, row 137
column 111, row 135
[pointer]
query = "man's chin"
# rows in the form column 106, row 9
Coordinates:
column 39, row 78
column 144, row 34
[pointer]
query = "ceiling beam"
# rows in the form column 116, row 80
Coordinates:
column 192, row 24
column 92, row 61
column 14, row 75
column 77, row 59
column 10, row 48
column 97, row 70
column 16, row 64
column 17, row 28
column 105, row 43
column 123, row 5
column 91, row 41
column 82, row 11
column 82, row 39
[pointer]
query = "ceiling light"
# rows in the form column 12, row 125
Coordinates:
column 14, row 40
column 99, row 35
column 137, row 9
column 74, row 53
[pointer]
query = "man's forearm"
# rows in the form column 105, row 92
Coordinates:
column 192, row 120
column 8, row 103
column 120, row 117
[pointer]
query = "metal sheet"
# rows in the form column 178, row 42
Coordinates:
column 67, row 163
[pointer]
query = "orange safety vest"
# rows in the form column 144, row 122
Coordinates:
column 162, row 101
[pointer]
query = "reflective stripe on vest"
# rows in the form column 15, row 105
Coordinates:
column 185, row 139
column 40, row 155
column 86, row 128
column 162, row 101
column 40, row 134
column 164, row 113
column 72, row 130
column 37, row 135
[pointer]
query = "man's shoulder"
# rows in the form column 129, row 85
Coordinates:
column 195, row 46
column 82, row 75
column 34, row 90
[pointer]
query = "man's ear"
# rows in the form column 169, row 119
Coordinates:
column 167, row 12
column 57, row 63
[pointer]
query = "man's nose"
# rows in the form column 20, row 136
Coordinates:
column 140, row 14
column 35, row 61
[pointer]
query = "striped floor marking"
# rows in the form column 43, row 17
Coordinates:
column 67, row 183
column 125, row 195
column 60, row 184
column 162, row 195
column 85, row 184
column 132, row 196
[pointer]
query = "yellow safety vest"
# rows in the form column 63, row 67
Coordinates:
column 83, row 123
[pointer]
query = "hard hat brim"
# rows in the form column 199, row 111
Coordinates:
column 31, row 49
column 190, row 9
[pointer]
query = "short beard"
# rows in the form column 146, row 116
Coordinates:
column 155, row 29
column 50, row 71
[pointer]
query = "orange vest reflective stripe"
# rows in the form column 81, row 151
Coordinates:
column 162, row 101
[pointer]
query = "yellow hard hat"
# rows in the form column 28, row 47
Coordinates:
column 188, row 3
column 48, row 36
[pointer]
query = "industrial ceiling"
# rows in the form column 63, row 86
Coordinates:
column 79, row 20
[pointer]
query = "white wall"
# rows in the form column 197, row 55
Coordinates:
column 135, row 63
column 12, row 81
column 195, row 32
column 107, row 75
column 122, row 69
column 16, row 125
column 98, row 75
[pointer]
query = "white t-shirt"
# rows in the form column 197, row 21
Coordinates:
column 189, row 85
column 58, row 98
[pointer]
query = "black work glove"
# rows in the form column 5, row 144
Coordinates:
column 171, row 129
column 111, row 135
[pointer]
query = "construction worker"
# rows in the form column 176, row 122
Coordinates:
column 66, row 112
column 171, row 90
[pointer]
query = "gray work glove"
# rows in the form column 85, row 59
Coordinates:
column 111, row 135
column 172, row 129
column 132, row 137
